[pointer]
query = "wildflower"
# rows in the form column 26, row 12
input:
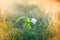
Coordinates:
column 33, row 20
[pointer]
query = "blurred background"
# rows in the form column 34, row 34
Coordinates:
column 46, row 12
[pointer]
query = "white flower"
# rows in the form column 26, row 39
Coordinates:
column 33, row 20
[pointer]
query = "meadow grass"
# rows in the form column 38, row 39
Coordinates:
column 12, row 30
